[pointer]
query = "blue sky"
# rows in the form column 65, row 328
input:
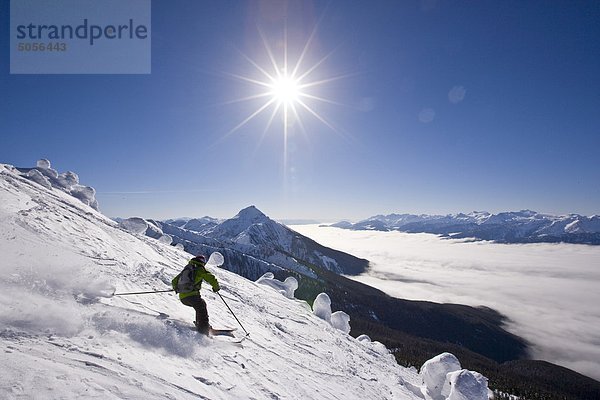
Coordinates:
column 440, row 107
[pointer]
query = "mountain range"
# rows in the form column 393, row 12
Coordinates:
column 523, row 226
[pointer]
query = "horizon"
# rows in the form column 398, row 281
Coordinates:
column 308, row 221
column 329, row 110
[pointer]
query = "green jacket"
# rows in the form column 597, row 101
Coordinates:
column 201, row 274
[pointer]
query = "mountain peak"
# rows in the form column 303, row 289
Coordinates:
column 251, row 213
column 243, row 220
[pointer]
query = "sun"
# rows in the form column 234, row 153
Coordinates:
column 286, row 87
column 286, row 90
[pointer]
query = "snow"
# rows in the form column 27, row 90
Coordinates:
column 364, row 338
column 68, row 181
column 216, row 259
column 166, row 239
column 322, row 307
column 467, row 385
column 38, row 178
column 340, row 320
column 444, row 378
column 65, row 336
column 43, row 163
column 572, row 227
column 287, row 287
column 86, row 194
column 135, row 225
column 433, row 373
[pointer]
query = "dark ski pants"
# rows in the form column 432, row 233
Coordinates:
column 199, row 305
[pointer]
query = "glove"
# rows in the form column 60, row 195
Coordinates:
column 216, row 288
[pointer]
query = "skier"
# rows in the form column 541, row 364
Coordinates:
column 188, row 284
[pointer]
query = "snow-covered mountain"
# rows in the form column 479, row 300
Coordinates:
column 194, row 224
column 507, row 227
column 64, row 335
column 258, row 244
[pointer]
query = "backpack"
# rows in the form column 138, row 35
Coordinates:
column 186, row 279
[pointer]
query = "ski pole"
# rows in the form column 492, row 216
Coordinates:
column 231, row 311
column 153, row 291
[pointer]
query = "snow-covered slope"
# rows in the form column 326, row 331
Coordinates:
column 523, row 226
column 64, row 336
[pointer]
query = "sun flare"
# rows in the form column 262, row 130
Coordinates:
column 285, row 89
column 288, row 90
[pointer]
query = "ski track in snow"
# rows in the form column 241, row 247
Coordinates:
column 63, row 336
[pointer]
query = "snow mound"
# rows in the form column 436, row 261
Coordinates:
column 216, row 259
column 43, row 163
column 340, row 320
column 287, row 287
column 322, row 309
column 38, row 178
column 68, row 182
column 166, row 239
column 141, row 226
column 86, row 194
column 433, row 374
column 467, row 385
column 364, row 338
column 135, row 225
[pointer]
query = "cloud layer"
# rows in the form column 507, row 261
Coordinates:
column 549, row 291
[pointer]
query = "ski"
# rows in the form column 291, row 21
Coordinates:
column 229, row 338
column 222, row 332
column 213, row 333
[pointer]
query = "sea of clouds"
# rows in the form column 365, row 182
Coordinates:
column 548, row 291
